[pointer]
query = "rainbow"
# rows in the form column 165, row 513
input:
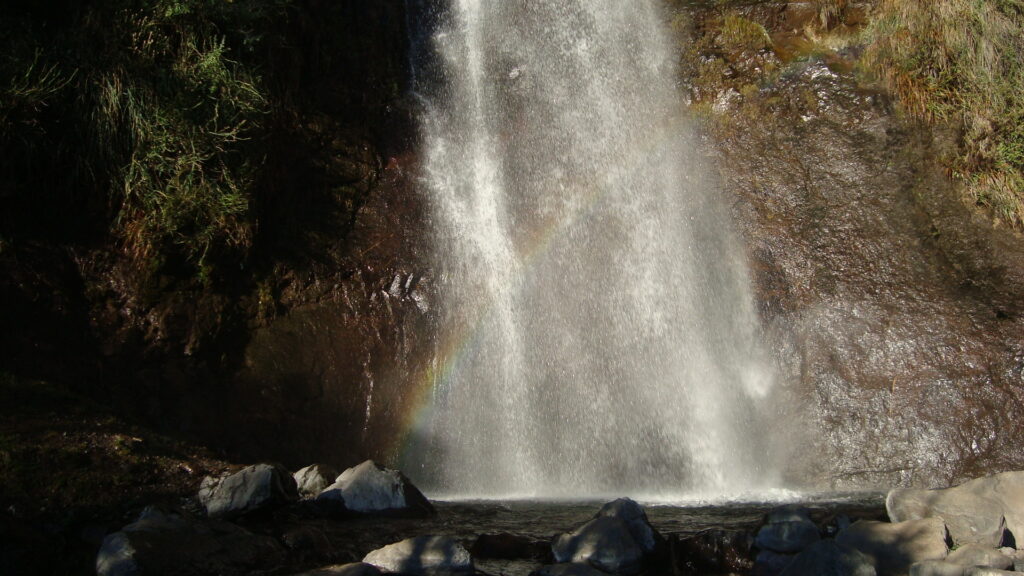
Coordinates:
column 457, row 344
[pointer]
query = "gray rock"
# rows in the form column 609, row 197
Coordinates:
column 424, row 555
column 605, row 543
column 312, row 480
column 354, row 569
column 617, row 540
column 975, row 511
column 371, row 488
column 981, row 571
column 937, row 568
column 787, row 537
column 167, row 544
column 569, row 569
column 633, row 515
column 257, row 487
column 974, row 555
column 894, row 548
column 827, row 558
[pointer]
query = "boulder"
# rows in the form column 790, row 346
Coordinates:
column 169, row 544
column 251, row 489
column 937, row 568
column 369, row 488
column 605, row 543
column 633, row 515
column 424, row 555
column 894, row 548
column 570, row 569
column 982, row 571
column 827, row 558
column 788, row 531
column 976, row 512
column 617, row 540
column 974, row 555
column 353, row 569
column 312, row 480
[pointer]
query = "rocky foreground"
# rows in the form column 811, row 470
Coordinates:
column 265, row 520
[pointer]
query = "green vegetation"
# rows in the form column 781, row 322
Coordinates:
column 960, row 61
column 187, row 133
column 141, row 111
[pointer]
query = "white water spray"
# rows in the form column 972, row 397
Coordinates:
column 601, row 336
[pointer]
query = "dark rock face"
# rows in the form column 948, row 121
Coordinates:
column 342, row 359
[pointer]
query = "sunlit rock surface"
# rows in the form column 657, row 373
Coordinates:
column 893, row 548
column 424, row 555
column 976, row 512
column 372, row 488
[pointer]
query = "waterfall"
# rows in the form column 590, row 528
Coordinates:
column 598, row 334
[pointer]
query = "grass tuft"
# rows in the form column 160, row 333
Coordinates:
column 960, row 61
column 738, row 35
